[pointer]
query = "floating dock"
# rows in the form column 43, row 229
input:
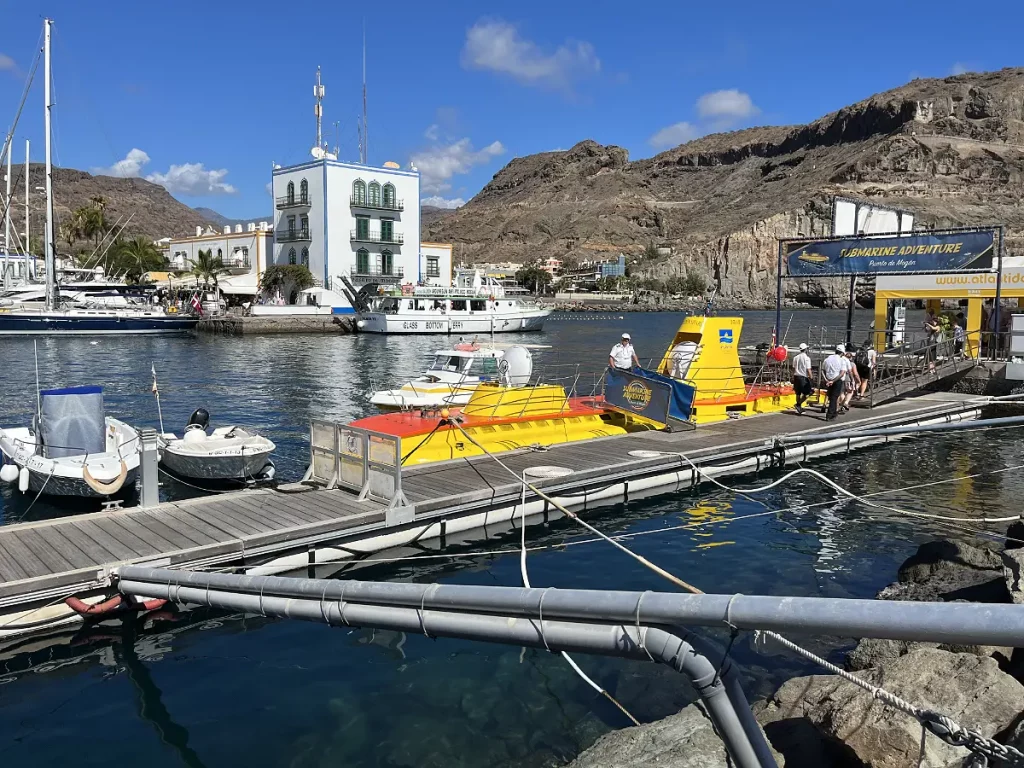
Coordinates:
column 300, row 527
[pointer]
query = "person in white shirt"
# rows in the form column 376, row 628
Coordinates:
column 623, row 355
column 851, row 381
column 833, row 370
column 682, row 355
column 802, row 377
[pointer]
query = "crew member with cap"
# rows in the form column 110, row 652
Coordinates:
column 833, row 370
column 623, row 356
column 802, row 377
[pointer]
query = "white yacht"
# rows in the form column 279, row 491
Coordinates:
column 449, row 381
column 476, row 304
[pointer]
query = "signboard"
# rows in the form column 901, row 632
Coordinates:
column 926, row 252
column 648, row 395
column 960, row 285
column 851, row 218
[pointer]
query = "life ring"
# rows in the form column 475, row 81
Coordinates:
column 467, row 347
column 172, row 310
column 106, row 489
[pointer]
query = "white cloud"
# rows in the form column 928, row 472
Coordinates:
column 730, row 105
column 432, row 133
column 958, row 68
column 7, row 63
column 129, row 167
column 193, row 179
column 673, row 135
column 497, row 46
column 185, row 179
column 443, row 202
column 438, row 164
column 270, row 187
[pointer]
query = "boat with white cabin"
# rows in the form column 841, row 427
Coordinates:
column 450, row 380
column 72, row 449
column 475, row 304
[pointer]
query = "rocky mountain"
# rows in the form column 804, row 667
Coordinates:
column 153, row 211
column 951, row 150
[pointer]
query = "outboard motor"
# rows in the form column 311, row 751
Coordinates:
column 200, row 418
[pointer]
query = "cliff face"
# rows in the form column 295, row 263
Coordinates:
column 950, row 150
column 156, row 213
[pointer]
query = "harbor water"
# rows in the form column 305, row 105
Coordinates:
column 212, row 689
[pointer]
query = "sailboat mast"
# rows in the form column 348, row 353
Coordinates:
column 28, row 243
column 51, row 267
column 366, row 140
column 7, row 222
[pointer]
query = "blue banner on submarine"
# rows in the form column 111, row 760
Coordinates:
column 932, row 252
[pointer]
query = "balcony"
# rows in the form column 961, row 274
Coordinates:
column 395, row 238
column 377, row 275
column 291, row 202
column 236, row 264
column 292, row 236
column 383, row 205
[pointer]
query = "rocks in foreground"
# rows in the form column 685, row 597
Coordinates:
column 855, row 729
column 684, row 740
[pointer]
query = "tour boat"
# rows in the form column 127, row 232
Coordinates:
column 499, row 416
column 74, row 450
column 226, row 453
column 476, row 304
column 450, row 380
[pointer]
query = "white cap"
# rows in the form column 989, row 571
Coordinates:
column 840, row 348
column 626, row 336
column 802, row 346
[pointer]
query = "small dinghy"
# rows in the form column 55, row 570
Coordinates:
column 72, row 449
column 226, row 453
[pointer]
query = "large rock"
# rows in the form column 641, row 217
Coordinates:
column 873, row 652
column 950, row 570
column 1013, row 574
column 970, row 689
column 685, row 740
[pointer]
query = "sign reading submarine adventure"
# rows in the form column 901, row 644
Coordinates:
column 925, row 252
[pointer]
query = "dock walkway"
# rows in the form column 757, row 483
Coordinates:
column 42, row 562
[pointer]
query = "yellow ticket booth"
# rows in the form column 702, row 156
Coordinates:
column 933, row 288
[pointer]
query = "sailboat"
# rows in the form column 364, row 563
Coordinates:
column 62, row 317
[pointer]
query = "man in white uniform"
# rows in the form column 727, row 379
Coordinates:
column 622, row 355
column 682, row 355
column 802, row 378
column 833, row 371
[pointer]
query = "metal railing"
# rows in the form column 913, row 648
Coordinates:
column 378, row 272
column 395, row 238
column 291, row 202
column 380, row 205
column 292, row 235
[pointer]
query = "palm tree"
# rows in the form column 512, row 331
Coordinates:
column 208, row 267
column 70, row 231
column 134, row 257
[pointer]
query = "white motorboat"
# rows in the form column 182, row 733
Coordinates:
column 476, row 304
column 74, row 450
column 450, row 380
column 226, row 453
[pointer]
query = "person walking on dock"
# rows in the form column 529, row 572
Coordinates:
column 802, row 378
column 833, row 369
column 623, row 356
column 851, row 380
column 865, row 360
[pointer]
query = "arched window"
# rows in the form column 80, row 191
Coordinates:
column 389, row 196
column 362, row 262
column 305, row 257
column 220, row 255
column 386, row 262
column 304, row 192
column 291, row 192
column 374, row 194
column 291, row 256
column 358, row 192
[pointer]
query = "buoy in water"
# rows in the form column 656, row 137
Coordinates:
column 8, row 473
column 23, row 476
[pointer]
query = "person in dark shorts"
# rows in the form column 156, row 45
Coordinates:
column 802, row 377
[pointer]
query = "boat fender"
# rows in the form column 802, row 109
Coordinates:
column 106, row 489
column 9, row 473
column 23, row 478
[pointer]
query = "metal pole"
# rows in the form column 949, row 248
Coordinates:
column 624, row 640
column 51, row 266
column 849, row 311
column 778, row 296
column 999, row 292
column 149, row 470
column 28, row 240
column 7, row 224
column 967, row 623
column 909, row 430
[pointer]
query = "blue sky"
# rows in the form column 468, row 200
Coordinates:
column 204, row 97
